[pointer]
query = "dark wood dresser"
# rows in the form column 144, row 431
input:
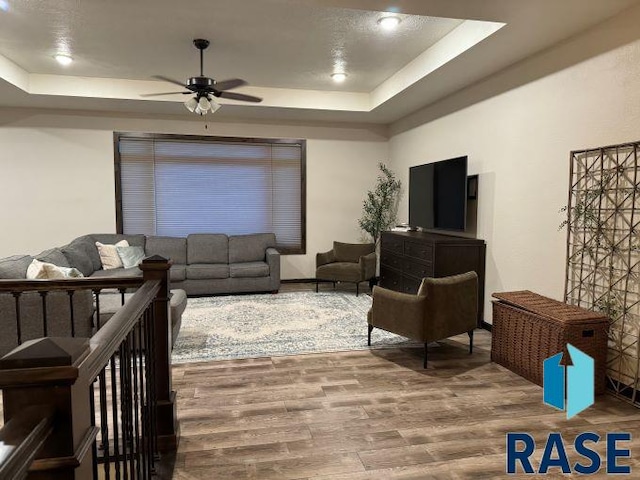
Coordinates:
column 407, row 257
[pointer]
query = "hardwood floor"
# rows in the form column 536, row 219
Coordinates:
column 370, row 415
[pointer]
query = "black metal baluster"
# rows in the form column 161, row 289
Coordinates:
column 73, row 323
column 136, row 410
column 122, row 292
column 43, row 295
column 114, row 417
column 97, row 295
column 94, row 446
column 146, row 467
column 124, row 407
column 130, row 366
column 104, row 424
column 16, row 295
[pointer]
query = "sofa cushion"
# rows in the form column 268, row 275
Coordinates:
column 203, row 271
column 178, row 273
column 55, row 256
column 250, row 248
column 15, row 267
column 171, row 248
column 351, row 252
column 113, row 238
column 117, row 272
column 207, row 248
column 340, row 271
column 80, row 253
column 249, row 270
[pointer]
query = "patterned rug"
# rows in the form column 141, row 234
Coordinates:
column 249, row 326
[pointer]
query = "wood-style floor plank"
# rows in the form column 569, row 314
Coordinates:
column 369, row 415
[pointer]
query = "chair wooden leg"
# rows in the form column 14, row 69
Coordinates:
column 357, row 288
column 369, row 334
column 334, row 285
column 317, row 282
column 470, row 332
column 425, row 355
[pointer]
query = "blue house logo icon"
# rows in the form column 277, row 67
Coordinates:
column 578, row 389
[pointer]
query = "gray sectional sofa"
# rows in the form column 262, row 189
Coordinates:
column 203, row 264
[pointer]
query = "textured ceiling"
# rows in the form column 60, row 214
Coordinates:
column 286, row 49
column 267, row 42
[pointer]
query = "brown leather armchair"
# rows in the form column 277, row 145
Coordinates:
column 347, row 262
column 443, row 307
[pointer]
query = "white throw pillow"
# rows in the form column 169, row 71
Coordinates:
column 109, row 254
column 48, row 271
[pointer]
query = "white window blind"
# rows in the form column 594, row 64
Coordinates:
column 179, row 186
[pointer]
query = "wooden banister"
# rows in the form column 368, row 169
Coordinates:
column 21, row 438
column 106, row 341
column 52, row 379
column 20, row 286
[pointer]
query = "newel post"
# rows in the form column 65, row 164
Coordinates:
column 45, row 374
column 167, row 426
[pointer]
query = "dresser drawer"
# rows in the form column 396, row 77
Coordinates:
column 391, row 243
column 390, row 279
column 417, row 269
column 388, row 259
column 418, row 250
column 410, row 285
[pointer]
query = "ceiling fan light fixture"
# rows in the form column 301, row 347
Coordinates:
column 389, row 22
column 191, row 104
column 204, row 104
column 63, row 59
column 215, row 106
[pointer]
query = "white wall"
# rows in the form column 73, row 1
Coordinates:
column 57, row 179
column 519, row 142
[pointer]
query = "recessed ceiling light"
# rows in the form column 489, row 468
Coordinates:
column 390, row 22
column 339, row 77
column 63, row 59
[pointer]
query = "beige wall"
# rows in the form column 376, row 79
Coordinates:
column 519, row 144
column 57, row 180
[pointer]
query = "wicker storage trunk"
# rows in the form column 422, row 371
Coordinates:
column 528, row 328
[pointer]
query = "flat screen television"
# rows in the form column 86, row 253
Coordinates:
column 438, row 195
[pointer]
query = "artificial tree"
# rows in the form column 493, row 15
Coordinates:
column 380, row 208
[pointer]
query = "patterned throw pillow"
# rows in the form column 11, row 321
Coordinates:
column 109, row 254
column 130, row 256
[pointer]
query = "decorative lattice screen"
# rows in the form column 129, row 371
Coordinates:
column 603, row 253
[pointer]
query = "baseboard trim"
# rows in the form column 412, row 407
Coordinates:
column 299, row 280
column 486, row 326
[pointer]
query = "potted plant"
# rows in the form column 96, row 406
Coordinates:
column 380, row 207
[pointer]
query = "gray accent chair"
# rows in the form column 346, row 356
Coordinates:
column 442, row 308
column 347, row 262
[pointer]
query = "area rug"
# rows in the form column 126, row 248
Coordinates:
column 250, row 326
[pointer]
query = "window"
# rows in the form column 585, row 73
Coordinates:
column 176, row 185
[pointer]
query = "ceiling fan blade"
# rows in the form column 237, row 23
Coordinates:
column 240, row 96
column 229, row 84
column 163, row 93
column 167, row 79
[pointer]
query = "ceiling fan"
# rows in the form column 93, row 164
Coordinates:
column 203, row 88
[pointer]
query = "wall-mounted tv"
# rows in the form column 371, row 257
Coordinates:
column 438, row 195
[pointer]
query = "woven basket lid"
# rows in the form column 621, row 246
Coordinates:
column 547, row 307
